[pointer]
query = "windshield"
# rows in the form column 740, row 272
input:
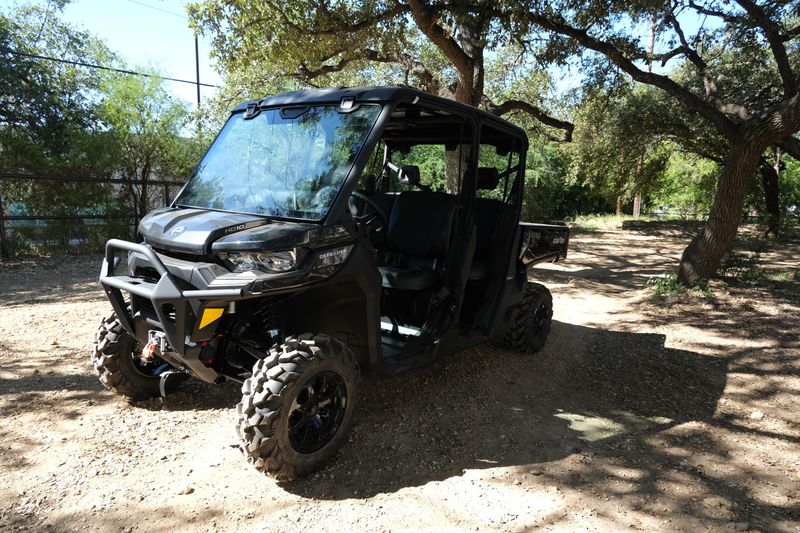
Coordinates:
column 287, row 162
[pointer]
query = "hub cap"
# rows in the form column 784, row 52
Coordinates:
column 317, row 412
column 540, row 319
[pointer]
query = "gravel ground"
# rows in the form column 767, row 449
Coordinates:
column 680, row 413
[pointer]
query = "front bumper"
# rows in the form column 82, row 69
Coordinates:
column 176, row 309
column 186, row 300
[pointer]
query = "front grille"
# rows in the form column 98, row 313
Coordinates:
column 183, row 256
column 144, row 307
column 147, row 273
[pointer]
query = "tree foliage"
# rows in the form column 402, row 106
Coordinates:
column 143, row 124
column 46, row 108
column 63, row 120
column 749, row 113
column 726, row 108
column 441, row 47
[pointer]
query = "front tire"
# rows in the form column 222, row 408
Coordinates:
column 297, row 408
column 531, row 326
column 113, row 358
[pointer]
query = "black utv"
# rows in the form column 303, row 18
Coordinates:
column 318, row 238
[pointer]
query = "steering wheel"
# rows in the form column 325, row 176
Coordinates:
column 369, row 218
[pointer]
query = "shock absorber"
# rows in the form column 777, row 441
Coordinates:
column 268, row 314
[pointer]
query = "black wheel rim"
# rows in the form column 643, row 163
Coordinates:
column 540, row 320
column 317, row 412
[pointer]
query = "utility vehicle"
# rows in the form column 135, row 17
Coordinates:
column 315, row 241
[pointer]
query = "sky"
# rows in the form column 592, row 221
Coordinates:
column 145, row 33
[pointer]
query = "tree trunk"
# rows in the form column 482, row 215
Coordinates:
column 468, row 89
column 455, row 164
column 702, row 257
column 143, row 199
column 769, row 179
column 619, row 206
column 637, row 197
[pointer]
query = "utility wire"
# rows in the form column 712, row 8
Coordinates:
column 101, row 67
column 158, row 9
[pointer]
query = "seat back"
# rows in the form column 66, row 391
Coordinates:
column 488, row 178
column 421, row 224
column 488, row 213
column 384, row 200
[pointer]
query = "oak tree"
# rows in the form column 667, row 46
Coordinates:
column 441, row 47
column 748, row 122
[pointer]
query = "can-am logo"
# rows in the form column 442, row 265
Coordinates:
column 232, row 229
column 177, row 230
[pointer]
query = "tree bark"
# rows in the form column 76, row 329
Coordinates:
column 455, row 164
column 637, row 196
column 769, row 179
column 468, row 90
column 702, row 257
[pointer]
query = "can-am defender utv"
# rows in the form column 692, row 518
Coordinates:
column 309, row 245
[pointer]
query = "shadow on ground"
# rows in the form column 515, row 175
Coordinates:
column 489, row 407
column 603, row 412
column 32, row 380
column 666, row 228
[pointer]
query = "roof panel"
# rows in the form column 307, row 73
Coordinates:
column 386, row 94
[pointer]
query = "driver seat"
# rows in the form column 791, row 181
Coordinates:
column 418, row 238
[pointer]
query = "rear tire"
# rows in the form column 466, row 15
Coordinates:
column 297, row 408
column 113, row 360
column 531, row 325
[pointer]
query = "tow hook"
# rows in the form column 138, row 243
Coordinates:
column 156, row 342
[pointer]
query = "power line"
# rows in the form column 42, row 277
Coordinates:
column 196, row 49
column 158, row 9
column 101, row 67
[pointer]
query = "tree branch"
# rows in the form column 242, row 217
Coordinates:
column 427, row 80
column 616, row 56
column 664, row 57
column 338, row 27
column 306, row 74
column 773, row 34
column 790, row 145
column 709, row 83
column 703, row 10
column 425, row 17
column 535, row 112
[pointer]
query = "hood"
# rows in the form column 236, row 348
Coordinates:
column 193, row 230
column 201, row 232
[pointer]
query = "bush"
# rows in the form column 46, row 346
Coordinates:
column 667, row 286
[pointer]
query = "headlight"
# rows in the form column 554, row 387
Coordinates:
column 266, row 261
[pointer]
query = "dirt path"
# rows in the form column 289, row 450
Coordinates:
column 681, row 414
